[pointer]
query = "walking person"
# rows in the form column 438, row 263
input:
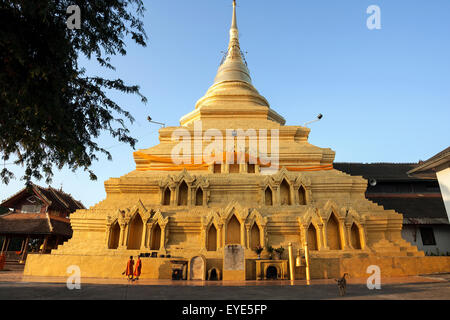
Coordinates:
column 129, row 270
column 137, row 270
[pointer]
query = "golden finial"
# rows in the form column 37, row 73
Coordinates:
column 233, row 67
column 234, row 23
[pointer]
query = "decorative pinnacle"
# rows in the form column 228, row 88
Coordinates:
column 234, row 32
column 234, row 23
column 232, row 67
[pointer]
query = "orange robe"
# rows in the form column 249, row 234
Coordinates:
column 137, row 270
column 129, row 270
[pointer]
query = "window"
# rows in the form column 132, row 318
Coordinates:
column 285, row 194
column 166, row 198
column 234, row 168
column 301, row 196
column 156, row 238
column 183, row 194
column 268, row 197
column 212, row 239
column 31, row 208
column 427, row 235
column 199, row 197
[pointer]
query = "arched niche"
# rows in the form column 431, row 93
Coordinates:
column 285, row 193
column 197, row 268
column 214, row 274
column 333, row 234
column 272, row 272
column 301, row 196
column 255, row 237
column 199, row 197
column 233, row 235
column 312, row 237
column 136, row 227
column 354, row 237
column 114, row 236
column 183, row 194
column 156, row 237
column 166, row 197
column 212, row 238
column 268, row 197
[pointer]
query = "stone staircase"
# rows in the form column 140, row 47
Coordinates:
column 396, row 248
column 12, row 265
column 407, row 247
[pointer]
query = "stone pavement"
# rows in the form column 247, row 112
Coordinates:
column 14, row 286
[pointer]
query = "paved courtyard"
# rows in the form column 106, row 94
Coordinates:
column 14, row 286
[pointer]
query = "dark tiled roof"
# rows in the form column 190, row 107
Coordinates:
column 34, row 224
column 61, row 227
column 378, row 171
column 60, row 200
column 414, row 207
column 67, row 198
column 437, row 160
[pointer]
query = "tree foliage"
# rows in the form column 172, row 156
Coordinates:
column 51, row 111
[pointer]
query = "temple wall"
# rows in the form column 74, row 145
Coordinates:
column 159, row 268
column 133, row 219
column 185, row 229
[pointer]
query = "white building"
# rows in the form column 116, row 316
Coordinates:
column 438, row 165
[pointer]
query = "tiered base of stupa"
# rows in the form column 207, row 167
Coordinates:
column 346, row 233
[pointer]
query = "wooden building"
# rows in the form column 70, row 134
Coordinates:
column 36, row 219
column 418, row 197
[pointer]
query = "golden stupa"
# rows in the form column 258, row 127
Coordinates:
column 187, row 213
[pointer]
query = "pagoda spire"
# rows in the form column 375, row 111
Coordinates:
column 233, row 67
column 234, row 22
column 232, row 95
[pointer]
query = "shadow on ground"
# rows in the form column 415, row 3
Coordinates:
column 24, row 290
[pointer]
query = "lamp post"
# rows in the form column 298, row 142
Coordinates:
column 319, row 117
column 160, row 123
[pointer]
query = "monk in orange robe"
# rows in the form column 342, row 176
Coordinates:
column 137, row 270
column 129, row 270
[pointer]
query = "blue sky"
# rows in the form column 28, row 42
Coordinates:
column 384, row 94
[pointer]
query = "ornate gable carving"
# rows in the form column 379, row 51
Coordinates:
column 328, row 208
column 123, row 216
column 118, row 216
column 275, row 180
column 301, row 180
column 212, row 218
column 235, row 208
column 168, row 181
column 140, row 209
column 256, row 217
column 201, row 181
column 311, row 216
column 353, row 217
column 159, row 218
column 184, row 175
